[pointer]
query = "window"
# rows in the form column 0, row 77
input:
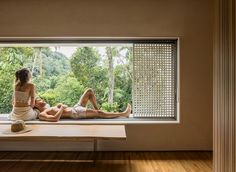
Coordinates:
column 144, row 73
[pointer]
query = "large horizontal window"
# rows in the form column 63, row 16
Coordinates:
column 140, row 72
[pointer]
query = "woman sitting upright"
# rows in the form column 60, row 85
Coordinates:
column 23, row 98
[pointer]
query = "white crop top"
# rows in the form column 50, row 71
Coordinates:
column 21, row 97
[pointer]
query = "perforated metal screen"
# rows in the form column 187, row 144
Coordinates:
column 155, row 79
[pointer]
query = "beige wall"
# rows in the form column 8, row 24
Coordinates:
column 191, row 20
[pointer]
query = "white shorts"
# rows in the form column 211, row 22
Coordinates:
column 23, row 113
column 78, row 111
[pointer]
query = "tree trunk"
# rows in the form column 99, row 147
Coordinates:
column 41, row 62
column 36, row 54
column 110, row 74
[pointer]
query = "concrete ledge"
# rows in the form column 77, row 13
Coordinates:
column 130, row 120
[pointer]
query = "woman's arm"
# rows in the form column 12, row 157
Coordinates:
column 32, row 96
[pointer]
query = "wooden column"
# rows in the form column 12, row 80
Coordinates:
column 224, row 87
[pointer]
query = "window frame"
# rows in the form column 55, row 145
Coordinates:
column 52, row 41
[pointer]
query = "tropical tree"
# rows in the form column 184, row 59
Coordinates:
column 87, row 68
column 122, row 77
column 48, row 67
column 83, row 63
column 111, row 53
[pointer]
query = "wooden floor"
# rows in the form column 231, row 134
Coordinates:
column 106, row 161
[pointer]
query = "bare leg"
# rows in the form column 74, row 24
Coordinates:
column 88, row 96
column 100, row 114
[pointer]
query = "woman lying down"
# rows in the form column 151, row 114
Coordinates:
column 79, row 111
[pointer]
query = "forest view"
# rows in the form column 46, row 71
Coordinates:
column 63, row 79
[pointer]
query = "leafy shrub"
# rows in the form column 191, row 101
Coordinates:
column 114, row 107
column 68, row 90
column 49, row 96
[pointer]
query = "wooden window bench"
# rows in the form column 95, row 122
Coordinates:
column 92, row 133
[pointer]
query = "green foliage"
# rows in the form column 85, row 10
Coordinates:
column 51, row 63
column 15, row 56
column 59, row 79
column 55, row 63
column 110, row 107
column 83, row 64
column 5, row 91
column 49, row 96
column 68, row 90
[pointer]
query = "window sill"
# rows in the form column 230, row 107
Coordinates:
column 130, row 120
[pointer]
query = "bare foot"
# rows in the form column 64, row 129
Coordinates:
column 127, row 111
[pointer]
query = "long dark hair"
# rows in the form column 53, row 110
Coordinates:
column 22, row 77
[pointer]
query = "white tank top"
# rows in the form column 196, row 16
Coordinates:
column 21, row 97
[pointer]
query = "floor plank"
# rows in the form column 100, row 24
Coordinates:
column 106, row 161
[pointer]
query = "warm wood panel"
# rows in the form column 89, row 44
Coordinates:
column 67, row 132
column 107, row 161
column 224, row 87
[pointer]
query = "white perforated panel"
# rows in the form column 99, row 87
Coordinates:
column 155, row 81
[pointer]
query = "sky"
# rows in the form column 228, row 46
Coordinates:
column 69, row 50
